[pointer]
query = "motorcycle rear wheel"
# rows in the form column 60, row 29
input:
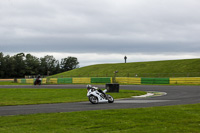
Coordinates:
column 93, row 99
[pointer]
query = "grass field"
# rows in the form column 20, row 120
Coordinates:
column 168, row 119
column 41, row 96
column 170, row 68
column 12, row 83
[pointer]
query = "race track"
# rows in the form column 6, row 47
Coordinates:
column 176, row 95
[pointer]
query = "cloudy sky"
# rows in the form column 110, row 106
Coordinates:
column 101, row 31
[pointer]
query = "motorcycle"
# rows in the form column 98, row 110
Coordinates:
column 96, row 95
column 37, row 81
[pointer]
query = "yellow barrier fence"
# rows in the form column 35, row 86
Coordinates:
column 53, row 80
column 29, row 81
column 44, row 80
column 6, row 80
column 81, row 80
column 188, row 80
column 128, row 80
column 18, row 80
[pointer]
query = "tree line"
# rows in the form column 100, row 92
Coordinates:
column 19, row 65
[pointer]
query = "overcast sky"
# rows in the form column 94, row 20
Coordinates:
column 101, row 31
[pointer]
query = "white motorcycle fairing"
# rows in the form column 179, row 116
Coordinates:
column 97, row 97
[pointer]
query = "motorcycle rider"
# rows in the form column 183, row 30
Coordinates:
column 38, row 80
column 88, row 87
column 99, row 90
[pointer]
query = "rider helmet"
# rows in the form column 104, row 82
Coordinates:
column 89, row 86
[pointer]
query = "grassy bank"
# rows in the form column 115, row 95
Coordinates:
column 170, row 68
column 169, row 119
column 41, row 96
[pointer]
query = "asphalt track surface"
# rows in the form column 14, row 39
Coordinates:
column 176, row 95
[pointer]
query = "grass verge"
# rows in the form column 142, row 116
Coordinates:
column 168, row 119
column 40, row 96
column 12, row 83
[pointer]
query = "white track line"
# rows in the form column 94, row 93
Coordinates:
column 146, row 95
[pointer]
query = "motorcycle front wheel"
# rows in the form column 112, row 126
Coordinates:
column 110, row 99
column 35, row 83
column 93, row 99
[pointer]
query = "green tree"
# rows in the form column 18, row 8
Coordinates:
column 19, row 65
column 57, row 68
column 1, row 65
column 69, row 63
column 7, row 66
column 32, row 64
column 48, row 65
column 19, row 62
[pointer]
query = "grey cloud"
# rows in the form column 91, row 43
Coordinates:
column 100, row 26
column 97, row 46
